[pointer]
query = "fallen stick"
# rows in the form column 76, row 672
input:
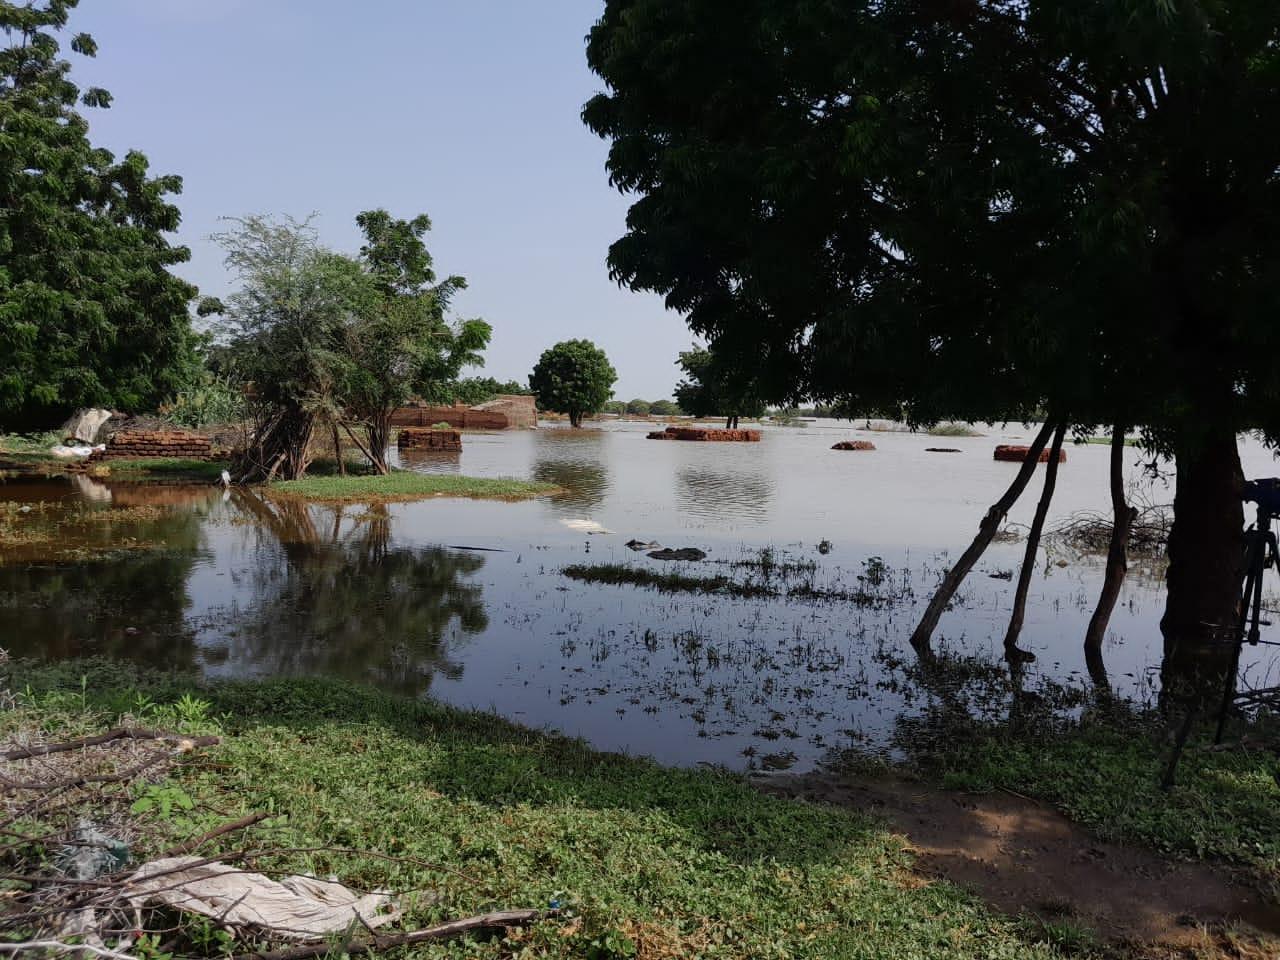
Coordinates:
column 120, row 733
column 443, row 931
column 197, row 842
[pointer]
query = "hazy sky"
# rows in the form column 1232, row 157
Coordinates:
column 468, row 111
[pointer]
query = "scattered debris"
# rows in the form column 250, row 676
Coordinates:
column 639, row 545
column 854, row 445
column 942, row 450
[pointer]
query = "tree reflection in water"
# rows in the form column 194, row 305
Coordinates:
column 723, row 495
column 575, row 461
column 348, row 602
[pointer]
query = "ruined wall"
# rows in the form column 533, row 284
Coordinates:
column 179, row 444
column 501, row 413
column 424, row 438
column 697, row 433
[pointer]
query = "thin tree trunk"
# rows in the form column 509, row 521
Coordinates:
column 1206, row 559
column 1011, row 651
column 368, row 455
column 986, row 530
column 1122, row 517
column 339, row 459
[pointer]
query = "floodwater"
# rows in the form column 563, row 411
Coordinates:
column 464, row 601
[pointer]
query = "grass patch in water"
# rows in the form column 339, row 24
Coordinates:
column 402, row 485
column 953, row 430
column 664, row 581
column 655, row 863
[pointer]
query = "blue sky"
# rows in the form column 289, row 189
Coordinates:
column 465, row 110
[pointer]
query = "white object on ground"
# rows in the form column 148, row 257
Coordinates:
column 295, row 908
column 585, row 526
column 59, row 450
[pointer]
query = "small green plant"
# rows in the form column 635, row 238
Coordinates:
column 164, row 799
column 874, row 571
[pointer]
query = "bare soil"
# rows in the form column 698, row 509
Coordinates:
column 1023, row 857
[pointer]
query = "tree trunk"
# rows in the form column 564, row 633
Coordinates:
column 378, row 432
column 339, row 459
column 1206, row 559
column 986, row 530
column 575, row 418
column 1122, row 517
column 1011, row 651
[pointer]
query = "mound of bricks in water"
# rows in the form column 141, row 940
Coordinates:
column 698, row 433
column 149, row 444
column 426, row 438
column 854, row 445
column 1015, row 454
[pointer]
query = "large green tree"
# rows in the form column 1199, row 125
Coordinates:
column 573, row 377
column 711, row 387
column 398, row 341
column 977, row 209
column 89, row 312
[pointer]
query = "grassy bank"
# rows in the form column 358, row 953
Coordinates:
column 617, row 574
column 653, row 863
column 402, row 485
column 1104, row 772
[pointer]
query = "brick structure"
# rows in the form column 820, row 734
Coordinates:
column 500, row 413
column 1016, row 454
column 696, row 433
column 424, row 438
column 144, row 444
column 854, row 445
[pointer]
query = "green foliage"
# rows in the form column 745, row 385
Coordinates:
column 978, row 210
column 573, row 377
column 637, row 407
column 89, row 312
column 398, row 343
column 206, row 399
column 711, row 388
column 471, row 390
column 664, row 408
column 685, row 862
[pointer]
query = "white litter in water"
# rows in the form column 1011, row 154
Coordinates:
column 585, row 526
column 59, row 450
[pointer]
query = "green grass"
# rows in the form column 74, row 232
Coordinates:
column 406, row 485
column 621, row 573
column 653, row 863
column 164, row 468
column 1104, row 772
column 1106, row 441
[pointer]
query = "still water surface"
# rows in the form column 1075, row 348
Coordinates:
column 464, row 600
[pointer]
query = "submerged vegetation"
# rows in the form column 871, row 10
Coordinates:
column 663, row 580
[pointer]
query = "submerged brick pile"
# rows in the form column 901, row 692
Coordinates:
column 426, row 438
column 698, row 433
column 147, row 444
column 1016, row 454
column 854, row 445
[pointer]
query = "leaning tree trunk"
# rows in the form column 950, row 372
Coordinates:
column 986, row 531
column 1206, row 561
column 1011, row 651
column 280, row 447
column 377, row 431
column 575, row 418
column 1122, row 517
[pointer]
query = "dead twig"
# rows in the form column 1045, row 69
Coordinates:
column 120, row 733
column 197, row 842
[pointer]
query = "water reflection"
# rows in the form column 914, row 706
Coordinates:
column 723, row 496
column 348, row 602
column 574, row 460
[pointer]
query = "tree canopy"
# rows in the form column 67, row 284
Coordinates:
column 573, row 377
column 710, row 389
column 975, row 210
column 89, row 312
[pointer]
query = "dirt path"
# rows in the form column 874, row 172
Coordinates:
column 1024, row 857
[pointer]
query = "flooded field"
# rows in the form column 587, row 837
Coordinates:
column 829, row 556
